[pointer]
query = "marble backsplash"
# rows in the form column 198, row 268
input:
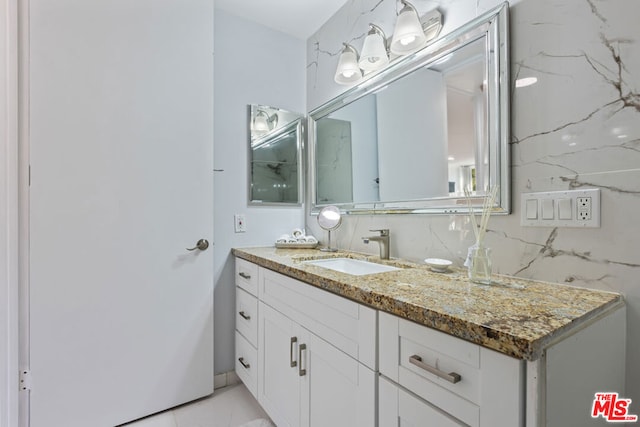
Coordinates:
column 577, row 127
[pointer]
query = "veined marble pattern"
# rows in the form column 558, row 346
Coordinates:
column 578, row 127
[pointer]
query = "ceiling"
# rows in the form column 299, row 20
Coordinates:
column 298, row 18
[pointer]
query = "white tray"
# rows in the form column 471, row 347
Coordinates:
column 296, row 245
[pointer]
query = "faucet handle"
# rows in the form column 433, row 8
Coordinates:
column 382, row 231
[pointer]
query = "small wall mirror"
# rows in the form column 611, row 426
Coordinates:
column 275, row 156
column 329, row 218
column 414, row 137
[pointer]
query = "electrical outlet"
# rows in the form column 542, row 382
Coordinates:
column 584, row 208
column 240, row 225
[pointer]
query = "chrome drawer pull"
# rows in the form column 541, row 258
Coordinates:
column 452, row 377
column 244, row 316
column 244, row 365
column 244, row 275
column 293, row 362
column 301, row 372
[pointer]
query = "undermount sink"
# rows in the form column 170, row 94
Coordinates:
column 356, row 267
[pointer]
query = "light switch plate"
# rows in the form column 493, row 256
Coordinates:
column 240, row 225
column 571, row 208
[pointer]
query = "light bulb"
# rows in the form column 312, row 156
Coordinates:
column 407, row 40
column 348, row 71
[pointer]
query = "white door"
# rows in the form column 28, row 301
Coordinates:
column 337, row 391
column 121, row 147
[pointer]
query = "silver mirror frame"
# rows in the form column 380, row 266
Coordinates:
column 494, row 26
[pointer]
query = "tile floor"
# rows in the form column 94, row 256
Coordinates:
column 231, row 406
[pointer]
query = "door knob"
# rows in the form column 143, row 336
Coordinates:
column 202, row 244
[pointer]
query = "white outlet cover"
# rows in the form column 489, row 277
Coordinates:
column 240, row 225
column 560, row 199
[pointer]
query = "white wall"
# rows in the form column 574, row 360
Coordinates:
column 253, row 65
column 578, row 127
column 8, row 214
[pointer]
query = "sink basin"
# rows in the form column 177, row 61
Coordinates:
column 356, row 267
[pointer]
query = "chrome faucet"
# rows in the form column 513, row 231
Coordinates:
column 382, row 239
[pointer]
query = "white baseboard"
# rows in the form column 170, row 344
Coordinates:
column 225, row 379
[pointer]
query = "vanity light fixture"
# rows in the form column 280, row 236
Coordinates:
column 407, row 35
column 431, row 24
column 263, row 122
column 411, row 33
column 348, row 71
column 374, row 50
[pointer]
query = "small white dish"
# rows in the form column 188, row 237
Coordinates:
column 438, row 265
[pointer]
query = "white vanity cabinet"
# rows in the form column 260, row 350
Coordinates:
column 316, row 355
column 313, row 358
column 429, row 375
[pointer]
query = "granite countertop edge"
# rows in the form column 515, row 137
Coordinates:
column 485, row 335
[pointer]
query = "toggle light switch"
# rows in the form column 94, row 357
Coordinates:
column 532, row 209
column 564, row 209
column 547, row 209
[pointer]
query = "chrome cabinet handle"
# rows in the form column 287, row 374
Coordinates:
column 244, row 275
column 452, row 377
column 244, row 365
column 201, row 244
column 301, row 348
column 293, row 362
column 244, row 316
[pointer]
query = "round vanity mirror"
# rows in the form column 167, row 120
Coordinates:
column 329, row 219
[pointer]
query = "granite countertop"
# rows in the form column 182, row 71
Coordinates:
column 514, row 316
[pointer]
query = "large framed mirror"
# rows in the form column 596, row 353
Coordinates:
column 413, row 137
column 275, row 156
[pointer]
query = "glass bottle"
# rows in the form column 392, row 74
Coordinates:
column 480, row 265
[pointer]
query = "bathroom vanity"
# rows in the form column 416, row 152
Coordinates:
column 322, row 347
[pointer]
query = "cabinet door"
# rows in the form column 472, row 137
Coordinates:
column 337, row 390
column 279, row 383
column 399, row 408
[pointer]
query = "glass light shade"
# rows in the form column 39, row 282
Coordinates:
column 348, row 71
column 260, row 124
column 408, row 35
column 374, row 53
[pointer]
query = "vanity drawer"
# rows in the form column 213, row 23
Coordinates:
column 472, row 383
column 247, row 364
column 247, row 276
column 247, row 316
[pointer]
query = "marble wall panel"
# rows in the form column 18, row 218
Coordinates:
column 577, row 127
